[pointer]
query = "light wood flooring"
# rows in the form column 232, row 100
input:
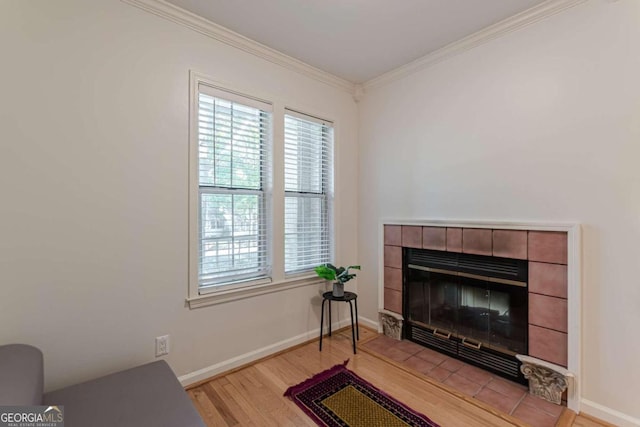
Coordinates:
column 253, row 395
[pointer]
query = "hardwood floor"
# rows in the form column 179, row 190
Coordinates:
column 253, row 395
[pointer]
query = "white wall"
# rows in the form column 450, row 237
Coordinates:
column 543, row 125
column 93, row 189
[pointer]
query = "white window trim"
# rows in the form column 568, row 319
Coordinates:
column 265, row 191
column 197, row 297
column 328, row 192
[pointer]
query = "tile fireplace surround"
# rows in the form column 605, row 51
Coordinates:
column 552, row 252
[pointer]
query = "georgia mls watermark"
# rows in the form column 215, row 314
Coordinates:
column 31, row 416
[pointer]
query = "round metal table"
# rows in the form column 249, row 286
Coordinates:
column 352, row 299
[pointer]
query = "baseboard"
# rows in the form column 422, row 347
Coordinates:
column 369, row 323
column 243, row 359
column 607, row 414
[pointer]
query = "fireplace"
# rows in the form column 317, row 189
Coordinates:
column 471, row 307
column 535, row 265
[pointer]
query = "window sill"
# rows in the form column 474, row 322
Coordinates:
column 224, row 296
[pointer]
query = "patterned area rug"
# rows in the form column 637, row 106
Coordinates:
column 338, row 397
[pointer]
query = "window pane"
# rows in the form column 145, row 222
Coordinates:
column 232, row 236
column 304, row 155
column 308, row 178
column 231, row 149
column 233, row 167
column 306, row 234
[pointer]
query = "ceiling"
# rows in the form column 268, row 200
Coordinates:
column 356, row 40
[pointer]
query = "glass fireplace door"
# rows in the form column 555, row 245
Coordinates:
column 444, row 299
column 474, row 311
column 508, row 323
column 479, row 313
column 433, row 300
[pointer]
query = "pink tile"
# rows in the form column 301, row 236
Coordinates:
column 497, row 400
column 477, row 375
column 393, row 278
column 418, row 364
column 411, row 236
column 548, row 246
column 548, row 407
column 510, row 244
column 432, row 356
column 394, row 353
column 548, row 279
column 387, row 347
column 454, row 239
column 462, row 384
column 439, row 374
column 548, row 345
column 534, row 416
column 476, row 241
column 393, row 300
column 393, row 256
column 548, row 312
column 393, row 235
column 452, row 365
column 408, row 346
column 507, row 388
column 434, row 238
column 380, row 342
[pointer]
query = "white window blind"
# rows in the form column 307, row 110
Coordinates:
column 234, row 137
column 308, row 184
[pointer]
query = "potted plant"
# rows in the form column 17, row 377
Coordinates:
column 339, row 276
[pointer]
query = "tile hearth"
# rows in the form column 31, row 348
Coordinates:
column 506, row 396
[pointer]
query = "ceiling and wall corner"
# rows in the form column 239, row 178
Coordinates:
column 356, row 39
column 499, row 19
column 211, row 29
column 513, row 23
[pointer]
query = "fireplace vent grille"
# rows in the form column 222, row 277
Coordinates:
column 504, row 268
column 491, row 361
column 427, row 338
column 484, row 358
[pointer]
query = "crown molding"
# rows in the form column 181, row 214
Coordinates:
column 358, row 92
column 203, row 26
column 513, row 23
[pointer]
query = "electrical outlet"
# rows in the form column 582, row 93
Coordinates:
column 162, row 345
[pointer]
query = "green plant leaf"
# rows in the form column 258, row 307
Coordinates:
column 325, row 272
column 340, row 274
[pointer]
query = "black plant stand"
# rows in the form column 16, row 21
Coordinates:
column 352, row 299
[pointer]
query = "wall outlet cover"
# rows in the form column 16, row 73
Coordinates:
column 162, row 345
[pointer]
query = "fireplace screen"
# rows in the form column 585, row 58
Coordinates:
column 478, row 311
column 469, row 306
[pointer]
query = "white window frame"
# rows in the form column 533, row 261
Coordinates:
column 263, row 273
column 326, row 192
column 278, row 281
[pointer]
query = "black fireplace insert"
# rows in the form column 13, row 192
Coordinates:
column 471, row 307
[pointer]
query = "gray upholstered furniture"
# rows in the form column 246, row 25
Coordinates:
column 147, row 395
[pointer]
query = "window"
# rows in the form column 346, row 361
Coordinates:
column 308, row 150
column 237, row 249
column 234, row 140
